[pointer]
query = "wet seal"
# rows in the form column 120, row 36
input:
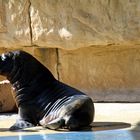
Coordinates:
column 41, row 99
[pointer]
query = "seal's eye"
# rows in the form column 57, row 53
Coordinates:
column 3, row 57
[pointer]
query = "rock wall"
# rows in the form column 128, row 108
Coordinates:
column 69, row 24
column 109, row 73
column 92, row 45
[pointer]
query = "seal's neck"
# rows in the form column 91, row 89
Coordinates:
column 14, row 75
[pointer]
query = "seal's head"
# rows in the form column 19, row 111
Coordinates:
column 6, row 63
column 20, row 65
column 14, row 61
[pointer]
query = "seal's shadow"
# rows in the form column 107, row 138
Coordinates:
column 22, row 130
column 100, row 126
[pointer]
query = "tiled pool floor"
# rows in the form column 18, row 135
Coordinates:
column 112, row 122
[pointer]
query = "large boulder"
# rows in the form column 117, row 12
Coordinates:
column 7, row 100
column 72, row 24
column 69, row 24
column 14, row 23
column 107, row 74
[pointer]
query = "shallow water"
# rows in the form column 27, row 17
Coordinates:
column 89, row 135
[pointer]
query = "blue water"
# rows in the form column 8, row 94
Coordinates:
column 90, row 135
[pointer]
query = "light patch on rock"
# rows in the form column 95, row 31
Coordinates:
column 64, row 33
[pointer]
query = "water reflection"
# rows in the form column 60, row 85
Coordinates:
column 135, row 132
column 58, row 136
column 89, row 135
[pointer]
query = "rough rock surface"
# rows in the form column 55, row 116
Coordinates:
column 69, row 24
column 72, row 24
column 14, row 23
column 106, row 74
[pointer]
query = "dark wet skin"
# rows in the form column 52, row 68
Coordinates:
column 43, row 100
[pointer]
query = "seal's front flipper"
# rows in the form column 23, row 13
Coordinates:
column 55, row 124
column 20, row 124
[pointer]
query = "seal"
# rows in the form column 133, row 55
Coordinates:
column 42, row 99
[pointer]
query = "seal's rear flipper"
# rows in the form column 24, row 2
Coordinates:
column 21, row 124
column 55, row 124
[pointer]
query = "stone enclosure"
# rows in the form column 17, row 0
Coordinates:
column 92, row 45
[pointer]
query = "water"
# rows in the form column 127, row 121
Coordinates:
column 89, row 135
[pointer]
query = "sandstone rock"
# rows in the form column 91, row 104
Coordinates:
column 72, row 24
column 104, row 73
column 14, row 23
column 7, row 102
column 69, row 24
